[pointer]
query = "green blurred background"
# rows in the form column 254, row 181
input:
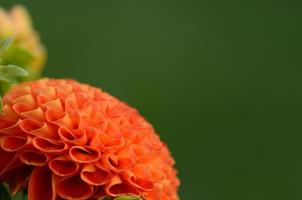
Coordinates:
column 220, row 81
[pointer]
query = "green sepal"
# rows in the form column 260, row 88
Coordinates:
column 19, row 196
column 4, row 194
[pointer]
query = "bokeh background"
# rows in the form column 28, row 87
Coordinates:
column 220, row 81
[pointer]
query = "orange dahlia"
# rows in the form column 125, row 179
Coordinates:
column 66, row 140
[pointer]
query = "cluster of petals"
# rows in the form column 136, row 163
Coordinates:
column 66, row 140
column 17, row 23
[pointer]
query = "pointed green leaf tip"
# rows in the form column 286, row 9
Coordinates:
column 4, row 44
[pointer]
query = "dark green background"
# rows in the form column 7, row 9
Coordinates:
column 220, row 81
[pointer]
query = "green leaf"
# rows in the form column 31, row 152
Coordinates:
column 12, row 53
column 4, row 193
column 4, row 44
column 19, row 196
column 17, row 56
column 10, row 73
column 4, row 86
column 130, row 197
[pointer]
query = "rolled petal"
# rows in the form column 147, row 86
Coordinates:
column 59, row 118
column 35, row 158
column 114, row 143
column 94, row 176
column 141, row 183
column 99, row 192
column 107, row 143
column 40, row 184
column 37, row 128
column 86, row 122
column 141, row 153
column 157, row 174
column 74, row 188
column 36, row 114
column 71, row 103
column 77, row 136
column 7, row 158
column 9, row 113
column 31, row 126
column 49, row 146
column 53, row 104
column 20, row 108
column 157, row 193
column 63, row 166
column 14, row 142
column 117, row 187
column 64, row 89
column 18, row 91
column 117, row 163
column 84, row 154
column 49, row 92
column 55, row 179
column 26, row 99
column 10, row 127
column 18, row 178
column 41, row 99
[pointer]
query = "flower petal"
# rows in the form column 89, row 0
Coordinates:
column 140, row 183
column 94, row 176
column 84, row 154
column 37, row 128
column 40, row 184
column 36, row 114
column 18, row 178
column 9, row 127
column 63, row 166
column 117, row 187
column 74, row 188
column 6, row 159
column 77, row 136
column 34, row 158
column 59, row 118
column 49, row 145
column 13, row 142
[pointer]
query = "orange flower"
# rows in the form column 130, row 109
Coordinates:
column 17, row 23
column 67, row 140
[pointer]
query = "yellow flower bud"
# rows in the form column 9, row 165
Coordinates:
column 17, row 23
